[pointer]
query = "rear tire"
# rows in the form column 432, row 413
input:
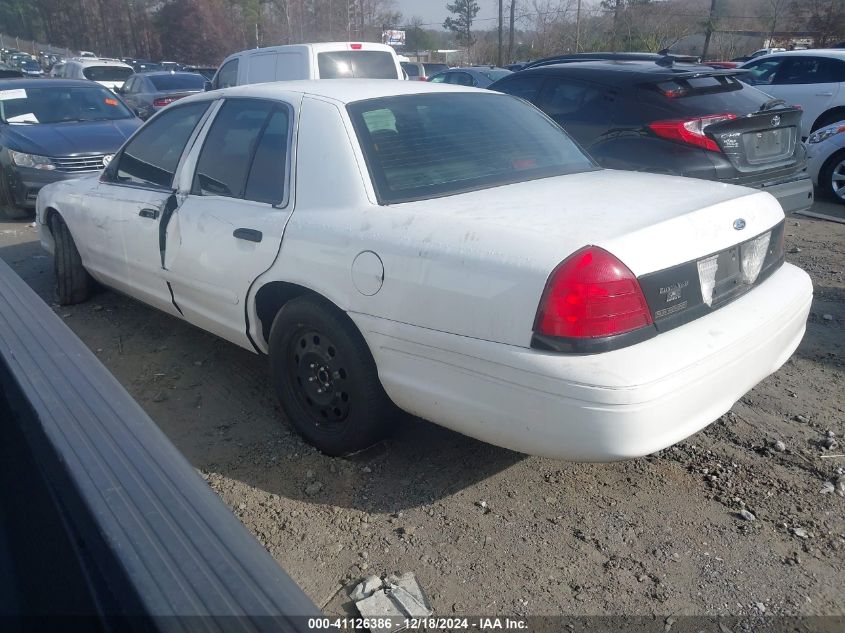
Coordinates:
column 832, row 177
column 326, row 378
column 73, row 283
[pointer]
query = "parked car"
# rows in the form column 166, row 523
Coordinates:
column 328, row 60
column 475, row 76
column 108, row 73
column 51, row 130
column 30, row 68
column 813, row 79
column 57, row 70
column 168, row 66
column 826, row 159
column 147, row 93
column 469, row 263
column 7, row 72
column 421, row 71
column 677, row 119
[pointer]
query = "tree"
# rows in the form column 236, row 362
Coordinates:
column 461, row 25
column 417, row 38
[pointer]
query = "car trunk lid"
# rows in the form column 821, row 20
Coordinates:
column 762, row 140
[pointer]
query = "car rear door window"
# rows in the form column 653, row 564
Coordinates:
column 562, row 97
column 151, row 157
column 525, row 87
column 357, row 64
column 805, row 70
column 244, row 154
column 461, row 79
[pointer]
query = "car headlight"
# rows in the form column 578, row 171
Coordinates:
column 31, row 160
column 822, row 135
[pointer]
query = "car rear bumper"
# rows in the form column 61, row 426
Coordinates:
column 603, row 407
column 793, row 195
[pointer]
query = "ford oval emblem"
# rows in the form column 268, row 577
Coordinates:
column 739, row 224
column 775, row 120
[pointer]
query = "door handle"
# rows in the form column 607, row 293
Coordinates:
column 250, row 235
column 824, row 94
column 152, row 214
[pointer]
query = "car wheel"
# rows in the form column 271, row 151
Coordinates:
column 73, row 283
column 326, row 378
column 832, row 176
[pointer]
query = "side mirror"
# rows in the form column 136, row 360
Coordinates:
column 207, row 86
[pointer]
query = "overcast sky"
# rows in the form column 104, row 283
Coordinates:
column 434, row 11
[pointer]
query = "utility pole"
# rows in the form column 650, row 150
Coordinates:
column 510, row 31
column 710, row 20
column 499, row 51
column 578, row 28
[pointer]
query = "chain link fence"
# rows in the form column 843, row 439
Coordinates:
column 30, row 46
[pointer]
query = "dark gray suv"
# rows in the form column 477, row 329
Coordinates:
column 681, row 119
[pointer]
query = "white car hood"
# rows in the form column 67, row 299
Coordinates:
column 649, row 221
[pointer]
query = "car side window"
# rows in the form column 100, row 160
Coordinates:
column 461, row 79
column 805, row 70
column 763, row 71
column 151, row 157
column 439, row 79
column 227, row 76
column 244, row 153
column 562, row 97
column 526, row 87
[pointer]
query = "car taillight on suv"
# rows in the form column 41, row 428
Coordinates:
column 163, row 101
column 690, row 131
column 591, row 294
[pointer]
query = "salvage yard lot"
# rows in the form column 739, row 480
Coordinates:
column 488, row 530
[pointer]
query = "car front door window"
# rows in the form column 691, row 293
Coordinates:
column 763, row 71
column 227, row 76
column 151, row 157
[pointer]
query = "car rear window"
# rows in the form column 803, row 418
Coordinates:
column 431, row 145
column 357, row 64
column 430, row 69
column 106, row 73
column 185, row 81
column 704, row 95
column 412, row 69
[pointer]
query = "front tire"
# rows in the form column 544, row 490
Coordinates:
column 326, row 378
column 73, row 283
column 832, row 176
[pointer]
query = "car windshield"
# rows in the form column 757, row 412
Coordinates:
column 178, row 81
column 357, row 64
column 106, row 73
column 49, row 104
column 30, row 64
column 432, row 145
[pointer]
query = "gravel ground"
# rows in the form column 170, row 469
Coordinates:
column 741, row 519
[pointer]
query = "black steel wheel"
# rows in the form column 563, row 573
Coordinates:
column 326, row 378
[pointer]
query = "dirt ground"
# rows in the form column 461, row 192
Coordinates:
column 660, row 535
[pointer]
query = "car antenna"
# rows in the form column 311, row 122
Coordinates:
column 666, row 58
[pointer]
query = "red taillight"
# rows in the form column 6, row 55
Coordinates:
column 423, row 78
column 355, row 47
column 591, row 294
column 690, row 131
column 163, row 101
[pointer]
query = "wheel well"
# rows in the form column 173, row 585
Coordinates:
column 839, row 111
column 49, row 212
column 272, row 297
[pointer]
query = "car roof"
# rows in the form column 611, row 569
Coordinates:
column 812, row 52
column 96, row 61
column 340, row 90
column 623, row 71
column 9, row 84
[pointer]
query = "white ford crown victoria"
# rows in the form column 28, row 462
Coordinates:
column 441, row 249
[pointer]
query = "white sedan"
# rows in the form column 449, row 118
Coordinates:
column 826, row 160
column 444, row 250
